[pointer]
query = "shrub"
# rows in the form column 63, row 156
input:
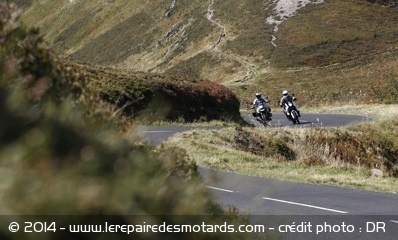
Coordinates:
column 262, row 145
column 352, row 148
column 160, row 97
column 57, row 160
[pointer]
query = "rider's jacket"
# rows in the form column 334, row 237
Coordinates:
column 285, row 100
column 259, row 101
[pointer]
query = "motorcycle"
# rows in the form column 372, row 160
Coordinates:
column 264, row 115
column 292, row 112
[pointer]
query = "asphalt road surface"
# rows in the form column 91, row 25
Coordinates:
column 311, row 120
column 276, row 203
column 286, row 208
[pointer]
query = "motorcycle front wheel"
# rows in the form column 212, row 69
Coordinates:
column 264, row 119
column 295, row 117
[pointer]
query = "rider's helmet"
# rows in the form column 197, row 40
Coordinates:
column 285, row 93
column 258, row 95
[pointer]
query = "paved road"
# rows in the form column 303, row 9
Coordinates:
column 269, row 196
column 311, row 120
column 156, row 135
column 277, row 203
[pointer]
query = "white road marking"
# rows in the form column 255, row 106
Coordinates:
column 394, row 221
column 304, row 205
column 157, row 131
column 220, row 189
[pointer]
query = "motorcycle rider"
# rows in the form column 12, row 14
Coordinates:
column 258, row 101
column 285, row 100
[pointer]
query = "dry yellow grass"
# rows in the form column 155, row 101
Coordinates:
column 379, row 111
column 314, row 162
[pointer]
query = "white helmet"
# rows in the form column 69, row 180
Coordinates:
column 258, row 95
column 285, row 93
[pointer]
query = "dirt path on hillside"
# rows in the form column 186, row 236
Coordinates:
column 172, row 6
column 223, row 34
column 283, row 10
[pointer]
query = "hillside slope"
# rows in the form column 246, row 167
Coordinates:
column 237, row 43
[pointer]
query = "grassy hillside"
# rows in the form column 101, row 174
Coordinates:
column 321, row 34
column 230, row 42
column 366, row 80
column 335, row 32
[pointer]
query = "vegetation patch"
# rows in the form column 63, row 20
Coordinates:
column 332, row 156
column 195, row 66
column 262, row 145
column 248, row 34
column 23, row 3
column 387, row 88
column 335, row 32
column 364, row 81
column 73, row 34
column 59, row 158
column 353, row 148
column 122, row 43
column 158, row 97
